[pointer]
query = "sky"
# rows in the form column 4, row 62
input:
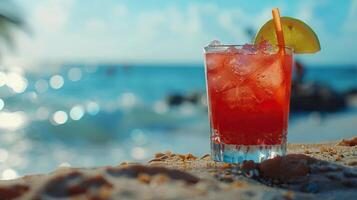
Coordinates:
column 164, row 31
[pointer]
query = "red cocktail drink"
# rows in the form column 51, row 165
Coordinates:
column 248, row 90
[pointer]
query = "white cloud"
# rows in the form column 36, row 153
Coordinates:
column 95, row 25
column 51, row 15
column 193, row 20
column 150, row 24
column 120, row 10
column 226, row 22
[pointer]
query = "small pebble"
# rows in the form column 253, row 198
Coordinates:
column 207, row 156
column 159, row 179
column 144, row 178
column 238, row 184
column 158, row 155
column 155, row 160
column 289, row 195
column 226, row 165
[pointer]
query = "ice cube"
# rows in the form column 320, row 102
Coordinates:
column 214, row 43
column 272, row 77
column 214, row 61
column 265, row 47
column 220, row 81
column 239, row 65
column 242, row 65
column 240, row 96
column 249, row 49
column 232, row 49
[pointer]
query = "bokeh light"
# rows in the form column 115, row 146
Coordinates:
column 161, row 107
column 64, row 164
column 138, row 153
column 12, row 120
column 41, row 86
column 9, row 174
column 56, row 81
column 59, row 117
column 16, row 82
column 187, row 109
column 76, row 112
column 75, row 74
column 127, row 100
column 2, row 104
column 93, row 108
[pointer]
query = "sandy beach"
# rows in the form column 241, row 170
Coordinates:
column 309, row 171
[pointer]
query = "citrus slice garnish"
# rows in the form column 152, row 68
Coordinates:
column 297, row 35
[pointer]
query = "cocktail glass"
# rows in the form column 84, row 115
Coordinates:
column 248, row 91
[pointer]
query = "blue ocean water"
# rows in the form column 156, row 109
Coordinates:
column 93, row 115
column 340, row 78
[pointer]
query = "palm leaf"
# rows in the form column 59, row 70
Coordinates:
column 8, row 21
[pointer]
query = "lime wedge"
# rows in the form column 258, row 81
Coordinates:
column 297, row 35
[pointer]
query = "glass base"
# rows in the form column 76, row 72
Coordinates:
column 238, row 153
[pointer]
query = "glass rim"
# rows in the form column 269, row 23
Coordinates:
column 206, row 48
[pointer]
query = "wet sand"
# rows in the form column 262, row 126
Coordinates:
column 309, row 171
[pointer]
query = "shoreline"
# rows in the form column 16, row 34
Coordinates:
column 309, row 171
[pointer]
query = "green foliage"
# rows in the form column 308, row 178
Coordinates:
column 7, row 23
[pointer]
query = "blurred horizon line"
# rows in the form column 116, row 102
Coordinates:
column 40, row 66
column 173, row 64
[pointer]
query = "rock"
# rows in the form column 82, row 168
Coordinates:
column 316, row 97
column 13, row 191
column 144, row 173
column 349, row 142
column 286, row 168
